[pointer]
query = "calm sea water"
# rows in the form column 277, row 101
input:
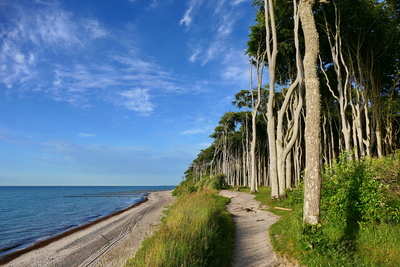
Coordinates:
column 29, row 214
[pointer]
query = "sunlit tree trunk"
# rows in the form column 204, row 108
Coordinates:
column 255, row 106
column 284, row 149
column 312, row 182
column 272, row 52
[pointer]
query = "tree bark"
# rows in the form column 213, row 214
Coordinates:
column 312, row 183
column 271, row 36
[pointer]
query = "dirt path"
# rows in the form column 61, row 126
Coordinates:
column 108, row 243
column 252, row 242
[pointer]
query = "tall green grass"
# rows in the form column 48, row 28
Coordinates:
column 196, row 232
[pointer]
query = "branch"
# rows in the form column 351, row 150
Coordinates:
column 279, row 208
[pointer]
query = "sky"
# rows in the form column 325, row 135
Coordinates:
column 115, row 92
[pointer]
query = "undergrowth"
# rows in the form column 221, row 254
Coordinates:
column 189, row 185
column 197, row 231
column 360, row 217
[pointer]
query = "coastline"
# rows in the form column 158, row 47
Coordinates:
column 93, row 239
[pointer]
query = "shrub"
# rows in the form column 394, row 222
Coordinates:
column 359, row 217
column 185, row 187
column 351, row 194
column 216, row 182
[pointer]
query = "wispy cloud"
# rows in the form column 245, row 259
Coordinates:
column 187, row 19
column 221, row 26
column 43, row 27
column 238, row 2
column 235, row 67
column 220, row 46
column 137, row 100
column 112, row 82
column 205, row 144
column 86, row 135
column 194, row 56
column 193, row 131
column 193, row 7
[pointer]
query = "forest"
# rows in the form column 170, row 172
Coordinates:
column 264, row 140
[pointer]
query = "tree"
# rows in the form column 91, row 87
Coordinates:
column 255, row 105
column 312, row 182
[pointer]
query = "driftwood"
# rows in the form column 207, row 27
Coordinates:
column 279, row 208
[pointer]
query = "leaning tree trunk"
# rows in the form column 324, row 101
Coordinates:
column 312, row 182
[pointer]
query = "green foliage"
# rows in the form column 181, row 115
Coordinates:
column 295, row 195
column 359, row 227
column 188, row 186
column 216, row 182
column 185, row 187
column 387, row 170
column 198, row 231
column 351, row 194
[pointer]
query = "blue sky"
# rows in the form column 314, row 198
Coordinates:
column 115, row 92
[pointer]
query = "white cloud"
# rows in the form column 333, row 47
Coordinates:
column 211, row 40
column 205, row 144
column 94, row 29
column 226, row 26
column 134, row 64
column 238, row 2
column 194, row 56
column 235, row 67
column 187, row 19
column 81, row 84
column 34, row 30
column 193, row 131
column 137, row 100
column 86, row 135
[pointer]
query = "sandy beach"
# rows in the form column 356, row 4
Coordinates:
column 108, row 242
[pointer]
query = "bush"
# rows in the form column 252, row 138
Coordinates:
column 216, row 182
column 359, row 217
column 295, row 195
column 185, row 187
column 351, row 194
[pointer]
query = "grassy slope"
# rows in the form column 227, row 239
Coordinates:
column 197, row 231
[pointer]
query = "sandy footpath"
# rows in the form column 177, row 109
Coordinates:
column 108, row 243
column 252, row 242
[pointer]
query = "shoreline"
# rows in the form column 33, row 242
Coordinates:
column 13, row 255
column 89, row 228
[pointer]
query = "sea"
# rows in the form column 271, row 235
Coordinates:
column 29, row 214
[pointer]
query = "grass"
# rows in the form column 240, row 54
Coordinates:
column 197, row 231
column 375, row 244
column 369, row 237
column 359, row 222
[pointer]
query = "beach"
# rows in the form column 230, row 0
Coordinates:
column 110, row 241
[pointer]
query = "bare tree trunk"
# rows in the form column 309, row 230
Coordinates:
column 335, row 43
column 312, row 182
column 255, row 105
column 272, row 52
